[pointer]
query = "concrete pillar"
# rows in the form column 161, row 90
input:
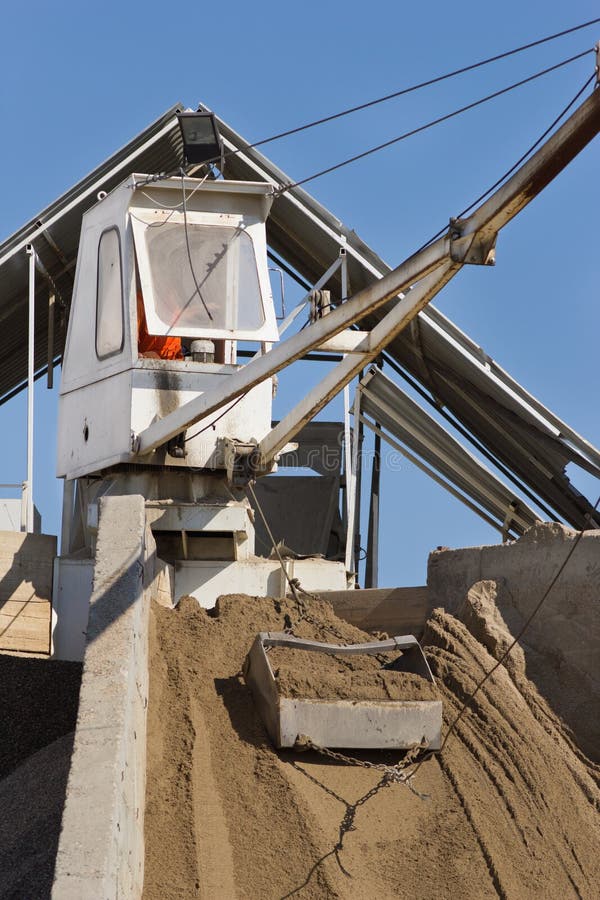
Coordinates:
column 101, row 848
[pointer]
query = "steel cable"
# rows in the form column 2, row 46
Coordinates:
column 378, row 100
column 433, row 122
column 521, row 159
column 423, row 84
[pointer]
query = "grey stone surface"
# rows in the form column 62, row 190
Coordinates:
column 562, row 644
column 101, row 849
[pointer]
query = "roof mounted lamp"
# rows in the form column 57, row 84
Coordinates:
column 201, row 139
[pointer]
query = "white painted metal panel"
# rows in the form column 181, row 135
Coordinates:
column 257, row 577
column 111, row 408
column 225, row 204
column 393, row 725
column 94, row 426
column 81, row 364
column 159, row 387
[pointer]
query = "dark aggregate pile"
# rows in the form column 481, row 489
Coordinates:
column 38, row 712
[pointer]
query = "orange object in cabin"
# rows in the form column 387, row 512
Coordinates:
column 155, row 346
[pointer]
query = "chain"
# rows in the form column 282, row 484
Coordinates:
column 318, row 783
column 347, row 822
column 392, row 773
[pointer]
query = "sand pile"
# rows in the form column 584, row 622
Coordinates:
column 319, row 676
column 523, row 785
column 38, row 710
column 512, row 808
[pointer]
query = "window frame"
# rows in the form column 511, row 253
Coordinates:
column 119, row 349
column 145, row 218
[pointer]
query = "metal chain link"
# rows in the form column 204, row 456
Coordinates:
column 393, row 773
column 347, row 822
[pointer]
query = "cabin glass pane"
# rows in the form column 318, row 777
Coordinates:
column 218, row 289
column 109, row 298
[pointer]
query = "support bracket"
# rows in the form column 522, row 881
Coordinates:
column 471, row 248
column 238, row 459
column 508, row 520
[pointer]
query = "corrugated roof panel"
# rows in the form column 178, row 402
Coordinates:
column 384, row 403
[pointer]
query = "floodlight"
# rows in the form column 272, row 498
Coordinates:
column 201, row 138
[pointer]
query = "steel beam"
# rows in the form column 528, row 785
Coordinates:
column 529, row 181
column 384, row 332
column 51, row 306
column 30, row 379
column 372, row 563
column 431, row 473
column 353, row 492
column 287, row 352
column 472, row 240
column 444, row 456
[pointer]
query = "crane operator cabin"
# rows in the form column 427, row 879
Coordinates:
column 171, row 292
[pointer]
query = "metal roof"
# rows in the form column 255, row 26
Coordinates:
column 387, row 410
column 512, row 427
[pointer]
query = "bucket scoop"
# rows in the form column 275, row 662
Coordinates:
column 392, row 724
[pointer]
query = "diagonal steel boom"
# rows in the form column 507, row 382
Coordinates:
column 287, row 352
column 342, row 374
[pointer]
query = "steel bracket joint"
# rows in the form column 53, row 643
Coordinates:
column 472, row 248
column 241, row 461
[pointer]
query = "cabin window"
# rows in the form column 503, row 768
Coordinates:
column 219, row 290
column 109, row 296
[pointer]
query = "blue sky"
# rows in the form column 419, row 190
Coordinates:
column 79, row 81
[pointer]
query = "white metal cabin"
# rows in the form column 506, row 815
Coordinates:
column 133, row 248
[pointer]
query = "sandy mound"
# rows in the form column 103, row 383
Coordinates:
column 560, row 648
column 531, row 797
column 542, row 673
column 319, row 676
column 512, row 808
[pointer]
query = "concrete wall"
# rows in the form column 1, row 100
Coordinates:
column 26, row 562
column 562, row 644
column 396, row 611
column 101, row 848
